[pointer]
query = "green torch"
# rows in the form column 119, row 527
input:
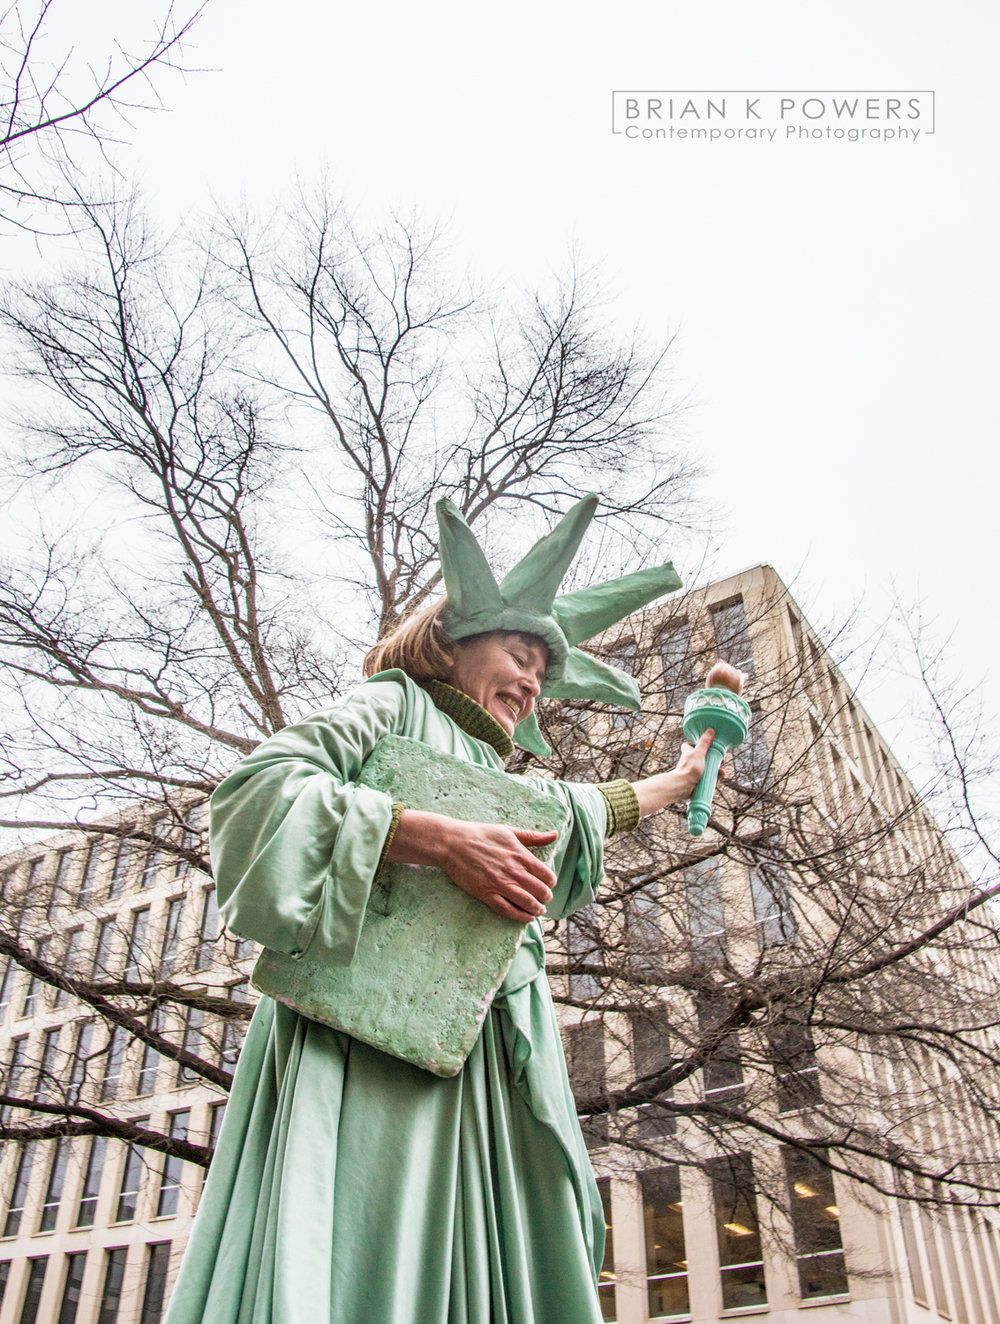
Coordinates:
column 718, row 706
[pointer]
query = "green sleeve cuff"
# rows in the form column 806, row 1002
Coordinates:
column 397, row 809
column 623, row 806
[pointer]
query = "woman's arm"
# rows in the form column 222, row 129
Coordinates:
column 668, row 788
column 488, row 861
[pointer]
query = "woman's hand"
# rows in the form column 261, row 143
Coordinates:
column 667, row 788
column 488, row 861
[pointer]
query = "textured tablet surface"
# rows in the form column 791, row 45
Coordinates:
column 430, row 958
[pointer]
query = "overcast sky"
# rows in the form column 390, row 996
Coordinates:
column 834, row 301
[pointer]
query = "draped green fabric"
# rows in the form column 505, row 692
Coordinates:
column 349, row 1186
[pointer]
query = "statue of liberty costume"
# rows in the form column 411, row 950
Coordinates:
column 351, row 1186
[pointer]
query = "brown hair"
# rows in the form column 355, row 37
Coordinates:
column 419, row 645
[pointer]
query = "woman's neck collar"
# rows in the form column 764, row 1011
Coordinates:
column 474, row 720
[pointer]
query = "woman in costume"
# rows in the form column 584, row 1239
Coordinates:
column 349, row 1186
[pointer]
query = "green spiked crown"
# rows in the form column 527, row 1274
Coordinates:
column 526, row 602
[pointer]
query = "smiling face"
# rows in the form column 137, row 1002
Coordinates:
column 502, row 671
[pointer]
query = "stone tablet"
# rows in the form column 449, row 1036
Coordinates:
column 429, row 958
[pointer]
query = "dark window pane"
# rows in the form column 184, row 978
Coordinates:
column 583, row 948
column 585, row 1061
column 111, row 1293
column 119, row 869
column 679, row 677
column 706, row 911
column 666, row 1257
column 606, row 1281
column 6, row 985
column 157, row 1263
column 793, row 1058
column 75, row 1265
column 171, row 936
column 54, row 1190
column 722, row 1073
column 90, row 869
column 738, row 1232
column 816, row 1224
column 209, row 929
column 752, row 760
column 92, row 1182
column 732, row 636
column 128, row 1195
column 19, row 1194
column 644, row 938
column 136, row 944
column 33, row 1291
column 772, row 907
column 651, row 1055
column 170, row 1182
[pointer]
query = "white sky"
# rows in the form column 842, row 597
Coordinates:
column 835, row 302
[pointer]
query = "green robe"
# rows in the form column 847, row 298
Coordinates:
column 349, row 1186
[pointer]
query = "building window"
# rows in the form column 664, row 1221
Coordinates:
column 75, row 1265
column 585, row 1062
column 146, row 1083
column 151, row 862
column 170, row 1182
column 102, row 952
column 666, row 1257
column 30, row 1004
column 60, row 892
column 81, row 1056
column 772, row 907
column 190, row 837
column 92, row 864
column 119, row 870
column 48, row 1077
column 19, row 1194
column 209, row 932
column 706, row 911
column 583, row 947
column 128, row 1193
column 71, row 956
column 677, row 654
column 644, row 940
column 92, row 1182
column 171, row 936
column 157, row 1264
column 194, row 1020
column 136, row 942
column 54, row 1190
column 606, row 1281
column 7, row 985
column 752, row 759
column 113, row 1065
column 819, row 1250
column 111, row 1292
column 650, row 1056
column 4, row 1277
column 242, row 948
column 33, row 1291
column 15, row 1072
column 793, row 1060
column 232, row 1028
column 740, row 1260
column 732, row 635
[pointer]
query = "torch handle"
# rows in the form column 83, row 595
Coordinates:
column 700, row 804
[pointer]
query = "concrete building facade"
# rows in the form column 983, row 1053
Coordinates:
column 92, row 1228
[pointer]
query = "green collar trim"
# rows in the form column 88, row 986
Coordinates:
column 466, row 713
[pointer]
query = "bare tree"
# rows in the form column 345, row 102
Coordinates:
column 50, row 94
column 190, row 577
column 816, row 976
